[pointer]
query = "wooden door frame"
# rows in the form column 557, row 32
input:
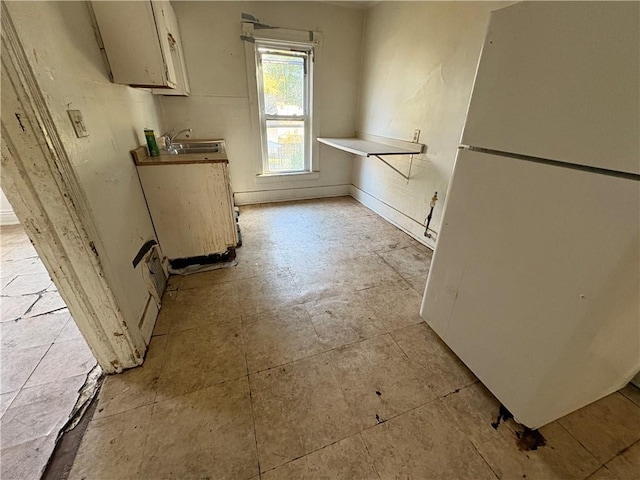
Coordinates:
column 39, row 180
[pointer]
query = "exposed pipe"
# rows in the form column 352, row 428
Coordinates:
column 434, row 199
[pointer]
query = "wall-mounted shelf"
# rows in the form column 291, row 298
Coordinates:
column 366, row 145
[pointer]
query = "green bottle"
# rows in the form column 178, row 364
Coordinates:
column 154, row 151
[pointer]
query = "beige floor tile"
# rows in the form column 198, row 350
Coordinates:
column 69, row 332
column 33, row 332
column 605, row 427
column 562, row 458
column 5, row 401
column 385, row 240
column 201, row 357
column 302, row 257
column 342, row 277
column 603, row 473
column 424, row 444
column 336, row 251
column 626, row 465
column 6, row 278
column 24, row 266
column 256, row 262
column 255, row 237
column 39, row 411
column 27, row 284
column 17, row 365
column 268, row 292
column 344, row 319
column 321, row 280
column 298, row 408
column 112, row 447
column 445, row 371
column 408, row 262
column 74, row 355
column 418, row 283
column 370, row 273
column 20, row 251
column 204, row 434
column 347, row 459
column 135, row 387
column 48, row 302
column 197, row 307
column 632, row 393
column 15, row 307
column 278, row 337
column 396, row 304
column 378, row 381
column 27, row 460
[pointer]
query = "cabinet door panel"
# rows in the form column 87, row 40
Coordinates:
column 135, row 43
column 190, row 208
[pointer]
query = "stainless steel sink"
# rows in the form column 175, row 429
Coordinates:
column 197, row 146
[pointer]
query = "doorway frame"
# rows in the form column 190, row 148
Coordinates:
column 39, row 180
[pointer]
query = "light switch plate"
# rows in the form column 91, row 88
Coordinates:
column 78, row 123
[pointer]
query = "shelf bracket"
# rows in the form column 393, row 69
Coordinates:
column 406, row 177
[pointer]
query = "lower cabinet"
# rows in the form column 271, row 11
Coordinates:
column 191, row 207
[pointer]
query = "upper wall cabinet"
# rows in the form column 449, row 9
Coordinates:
column 142, row 43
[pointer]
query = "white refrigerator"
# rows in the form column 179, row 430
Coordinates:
column 535, row 279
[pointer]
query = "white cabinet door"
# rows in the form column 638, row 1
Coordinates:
column 535, row 283
column 191, row 208
column 177, row 55
column 136, row 41
column 559, row 80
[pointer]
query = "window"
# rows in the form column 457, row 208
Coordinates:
column 284, row 77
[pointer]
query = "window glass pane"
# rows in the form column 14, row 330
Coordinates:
column 285, row 145
column 283, row 83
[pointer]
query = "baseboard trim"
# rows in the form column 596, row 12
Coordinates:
column 286, row 194
column 393, row 215
column 8, row 217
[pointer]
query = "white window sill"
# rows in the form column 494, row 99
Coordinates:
column 286, row 177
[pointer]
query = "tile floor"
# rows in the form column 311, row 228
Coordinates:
column 44, row 359
column 309, row 360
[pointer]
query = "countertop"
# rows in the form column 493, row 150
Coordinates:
column 141, row 158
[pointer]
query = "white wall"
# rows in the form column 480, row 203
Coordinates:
column 418, row 69
column 59, row 41
column 219, row 103
column 7, row 216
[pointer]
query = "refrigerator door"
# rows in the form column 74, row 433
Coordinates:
column 535, row 282
column 560, row 80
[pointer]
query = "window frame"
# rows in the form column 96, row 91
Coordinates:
column 306, row 51
column 249, row 36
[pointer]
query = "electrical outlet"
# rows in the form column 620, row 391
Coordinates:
column 78, row 123
column 416, row 135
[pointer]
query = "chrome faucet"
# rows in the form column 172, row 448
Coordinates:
column 169, row 138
